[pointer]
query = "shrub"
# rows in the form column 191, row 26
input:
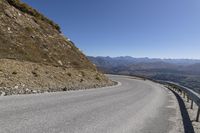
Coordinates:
column 98, row 78
column 75, row 64
column 69, row 74
column 35, row 74
column 14, row 73
column 81, row 80
column 64, row 89
column 29, row 29
column 83, row 73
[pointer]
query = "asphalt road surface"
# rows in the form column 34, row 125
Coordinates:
column 133, row 106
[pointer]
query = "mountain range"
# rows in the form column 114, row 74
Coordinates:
column 184, row 71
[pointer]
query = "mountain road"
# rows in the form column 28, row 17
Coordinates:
column 132, row 106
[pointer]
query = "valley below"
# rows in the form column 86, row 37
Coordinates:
column 183, row 71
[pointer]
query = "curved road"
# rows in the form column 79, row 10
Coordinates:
column 134, row 106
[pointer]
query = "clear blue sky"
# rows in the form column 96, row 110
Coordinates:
column 139, row 28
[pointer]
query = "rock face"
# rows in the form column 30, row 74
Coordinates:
column 35, row 55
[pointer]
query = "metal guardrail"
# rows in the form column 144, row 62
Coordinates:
column 186, row 92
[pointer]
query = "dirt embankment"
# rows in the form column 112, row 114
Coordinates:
column 18, row 77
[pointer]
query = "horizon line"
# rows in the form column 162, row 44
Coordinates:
column 166, row 58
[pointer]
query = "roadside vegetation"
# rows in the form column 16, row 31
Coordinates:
column 29, row 10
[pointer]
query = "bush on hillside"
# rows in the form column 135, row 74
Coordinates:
column 29, row 10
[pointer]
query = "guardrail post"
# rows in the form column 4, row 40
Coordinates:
column 183, row 94
column 197, row 119
column 191, row 104
column 188, row 99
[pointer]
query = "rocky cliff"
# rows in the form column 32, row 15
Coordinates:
column 35, row 56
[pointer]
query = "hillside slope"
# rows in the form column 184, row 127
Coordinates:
column 35, row 55
column 27, row 38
